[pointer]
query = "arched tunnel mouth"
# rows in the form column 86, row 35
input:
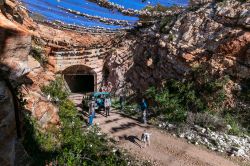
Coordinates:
column 78, row 83
column 80, row 79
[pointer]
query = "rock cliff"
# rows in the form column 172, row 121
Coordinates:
column 215, row 34
column 19, row 36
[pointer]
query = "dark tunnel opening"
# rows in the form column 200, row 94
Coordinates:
column 80, row 83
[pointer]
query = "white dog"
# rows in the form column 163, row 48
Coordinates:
column 145, row 137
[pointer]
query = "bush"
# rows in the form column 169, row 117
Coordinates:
column 41, row 146
column 245, row 90
column 207, row 120
column 201, row 93
column 71, row 144
column 80, row 146
column 175, row 99
column 56, row 90
column 210, row 88
column 238, row 119
column 235, row 128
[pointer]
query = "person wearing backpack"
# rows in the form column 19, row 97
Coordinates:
column 92, row 104
column 144, row 107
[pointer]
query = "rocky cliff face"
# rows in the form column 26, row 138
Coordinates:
column 18, row 37
column 215, row 34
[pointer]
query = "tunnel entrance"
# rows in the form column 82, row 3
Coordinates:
column 80, row 79
column 80, row 83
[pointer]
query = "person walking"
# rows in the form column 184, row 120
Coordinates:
column 91, row 110
column 144, row 117
column 91, row 118
column 144, row 107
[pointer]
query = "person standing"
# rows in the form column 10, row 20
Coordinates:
column 107, row 105
column 103, row 88
column 109, row 87
column 122, row 100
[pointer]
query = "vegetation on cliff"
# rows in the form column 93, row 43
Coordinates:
column 201, row 100
column 71, row 143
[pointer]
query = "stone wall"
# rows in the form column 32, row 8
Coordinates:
column 91, row 58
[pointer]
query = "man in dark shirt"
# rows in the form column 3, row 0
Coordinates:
column 122, row 100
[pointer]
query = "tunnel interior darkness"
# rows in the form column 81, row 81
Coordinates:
column 80, row 83
column 79, row 79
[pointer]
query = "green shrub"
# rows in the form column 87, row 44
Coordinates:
column 210, row 88
column 213, row 122
column 201, row 93
column 41, row 146
column 56, row 89
column 81, row 146
column 175, row 99
column 235, row 128
column 245, row 90
column 71, row 144
column 238, row 119
column 157, row 8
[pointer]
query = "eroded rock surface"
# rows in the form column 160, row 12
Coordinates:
column 215, row 34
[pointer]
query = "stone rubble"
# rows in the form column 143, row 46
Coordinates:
column 216, row 141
